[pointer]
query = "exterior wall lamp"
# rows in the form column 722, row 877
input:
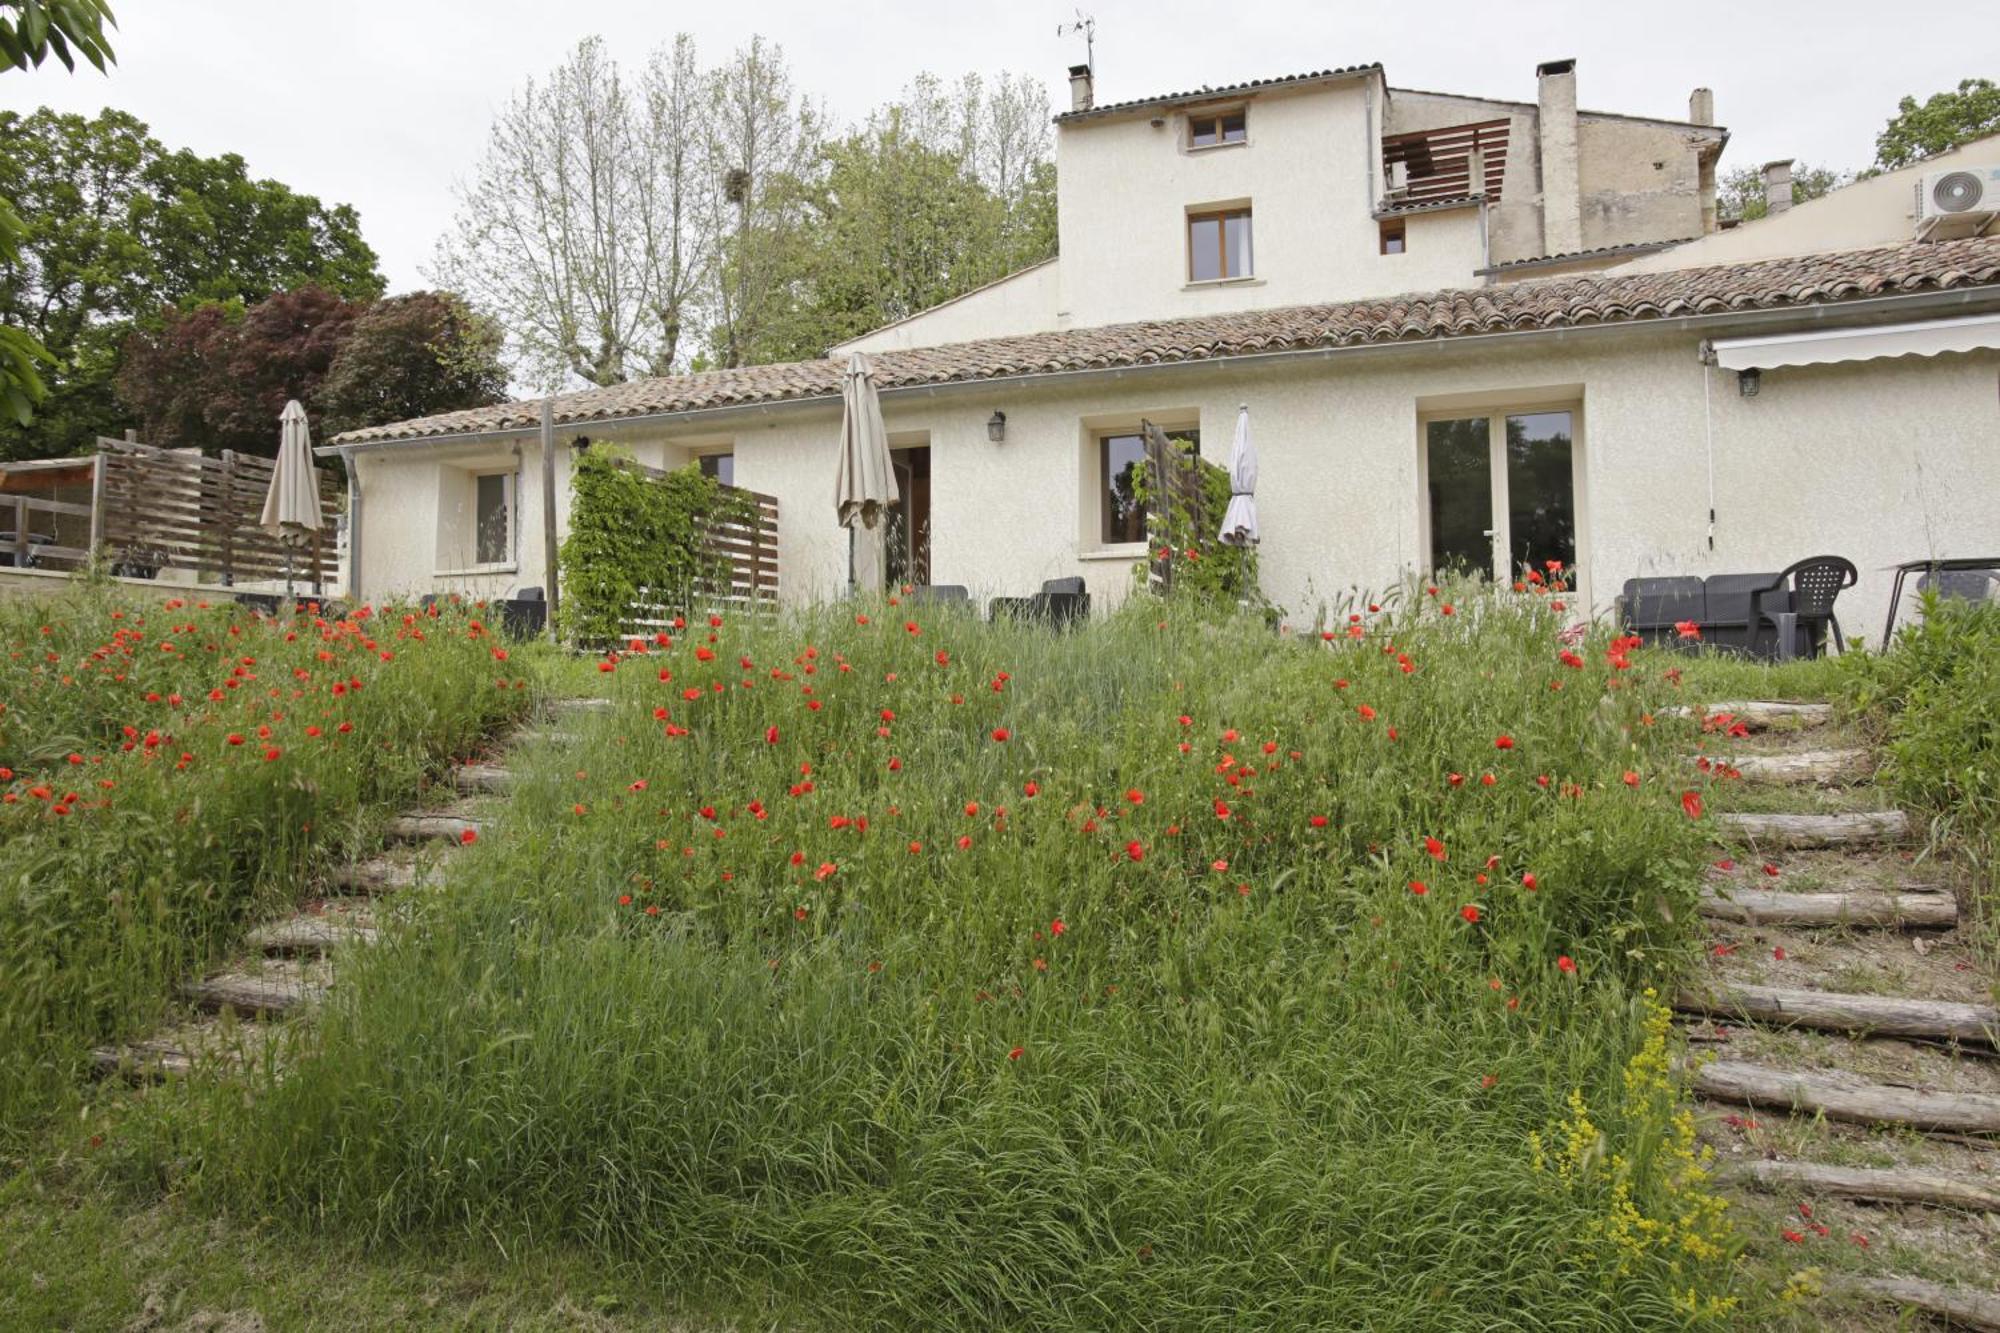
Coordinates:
column 1748, row 382
column 996, row 427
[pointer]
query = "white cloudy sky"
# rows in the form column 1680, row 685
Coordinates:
column 383, row 103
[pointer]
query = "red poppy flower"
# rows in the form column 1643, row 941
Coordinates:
column 624, row 900
column 770, row 736
column 1630, row 779
column 1000, row 733
column 1528, row 882
column 1030, row 789
column 1317, row 821
column 1566, row 964
column 467, row 837
column 825, row 871
column 1419, row 888
column 1057, row 926
column 1691, row 802
column 1015, row 1054
column 1470, row 912
column 1436, row 849
column 1503, row 742
column 1135, row 850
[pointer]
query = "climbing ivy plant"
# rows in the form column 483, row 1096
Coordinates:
column 1182, row 530
column 637, row 537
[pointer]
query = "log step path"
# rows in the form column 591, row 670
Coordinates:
column 1837, row 1066
column 292, row 961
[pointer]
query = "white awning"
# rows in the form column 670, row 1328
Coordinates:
column 1819, row 347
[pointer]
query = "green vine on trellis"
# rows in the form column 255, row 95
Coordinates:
column 638, row 536
column 1183, row 533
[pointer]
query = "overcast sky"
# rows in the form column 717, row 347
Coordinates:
column 384, row 103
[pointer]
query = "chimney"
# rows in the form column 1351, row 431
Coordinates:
column 1777, row 187
column 1701, row 107
column 1562, row 194
column 1081, row 95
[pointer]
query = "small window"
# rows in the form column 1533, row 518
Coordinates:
column 1121, row 456
column 722, row 467
column 1392, row 237
column 1207, row 131
column 493, row 518
column 1219, row 245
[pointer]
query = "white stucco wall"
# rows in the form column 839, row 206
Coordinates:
column 1025, row 302
column 1125, row 188
column 1880, row 461
column 1869, row 213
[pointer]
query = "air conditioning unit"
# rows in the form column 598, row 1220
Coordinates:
column 1960, row 202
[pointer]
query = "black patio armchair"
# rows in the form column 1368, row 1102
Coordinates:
column 1798, row 603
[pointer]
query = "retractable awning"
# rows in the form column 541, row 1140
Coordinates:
column 1819, row 347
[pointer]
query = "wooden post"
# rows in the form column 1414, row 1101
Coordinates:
column 96, row 505
column 20, row 532
column 227, row 519
column 552, row 595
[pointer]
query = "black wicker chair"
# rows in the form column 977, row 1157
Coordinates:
column 1799, row 603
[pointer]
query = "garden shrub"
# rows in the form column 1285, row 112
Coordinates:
column 1183, row 529
column 637, row 537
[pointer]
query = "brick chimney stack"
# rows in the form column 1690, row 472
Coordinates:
column 1562, row 191
column 1082, row 96
column 1777, row 187
column 1701, row 107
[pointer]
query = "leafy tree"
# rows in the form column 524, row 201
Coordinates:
column 1942, row 122
column 1740, row 193
column 217, row 375
column 412, row 356
column 30, row 30
column 118, row 229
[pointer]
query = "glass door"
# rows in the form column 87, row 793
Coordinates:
column 1501, row 493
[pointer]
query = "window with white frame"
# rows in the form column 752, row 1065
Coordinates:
column 493, row 518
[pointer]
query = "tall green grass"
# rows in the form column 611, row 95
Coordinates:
column 918, row 973
column 168, row 769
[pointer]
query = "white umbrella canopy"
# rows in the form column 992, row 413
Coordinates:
column 291, row 505
column 1239, row 521
column 866, row 484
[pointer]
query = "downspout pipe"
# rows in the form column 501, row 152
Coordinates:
column 355, row 525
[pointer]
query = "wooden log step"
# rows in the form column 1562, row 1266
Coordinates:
column 1882, row 1185
column 432, row 828
column 308, row 934
column 1859, row 829
column 1959, row 1307
column 1817, row 767
column 274, row 993
column 377, row 875
column 1887, row 911
column 142, row 1061
column 1833, row 1011
column 1842, row 1097
column 489, row 778
column 1762, row 714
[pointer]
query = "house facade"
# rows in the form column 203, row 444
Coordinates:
column 1470, row 332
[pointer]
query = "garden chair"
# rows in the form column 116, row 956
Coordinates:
column 1800, row 601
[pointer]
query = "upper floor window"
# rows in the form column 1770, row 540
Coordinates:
column 722, row 467
column 1206, row 131
column 1394, row 238
column 1219, row 245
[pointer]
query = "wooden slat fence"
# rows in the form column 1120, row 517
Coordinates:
column 747, row 565
column 1174, row 475
column 1438, row 162
column 186, row 510
column 30, row 523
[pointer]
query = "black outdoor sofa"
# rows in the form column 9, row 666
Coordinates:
column 1774, row 616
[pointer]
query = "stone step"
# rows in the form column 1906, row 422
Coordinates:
column 1877, row 1184
column 275, row 991
column 308, row 935
column 580, row 707
column 376, row 875
column 482, row 778
column 1959, row 1307
column 1823, row 768
column 1762, row 714
column 1844, row 1097
column 146, row 1061
column 432, row 828
column 1860, row 828
column 1885, row 911
column 1835, row 1011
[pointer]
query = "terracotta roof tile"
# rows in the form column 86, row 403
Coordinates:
column 1568, row 301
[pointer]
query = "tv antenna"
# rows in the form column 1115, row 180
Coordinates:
column 1086, row 25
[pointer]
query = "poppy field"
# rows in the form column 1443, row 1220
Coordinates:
column 897, row 970
column 170, row 767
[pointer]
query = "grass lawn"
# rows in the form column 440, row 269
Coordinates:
column 902, row 971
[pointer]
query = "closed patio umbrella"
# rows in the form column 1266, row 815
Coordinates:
column 1239, row 521
column 866, row 485
column 291, row 505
